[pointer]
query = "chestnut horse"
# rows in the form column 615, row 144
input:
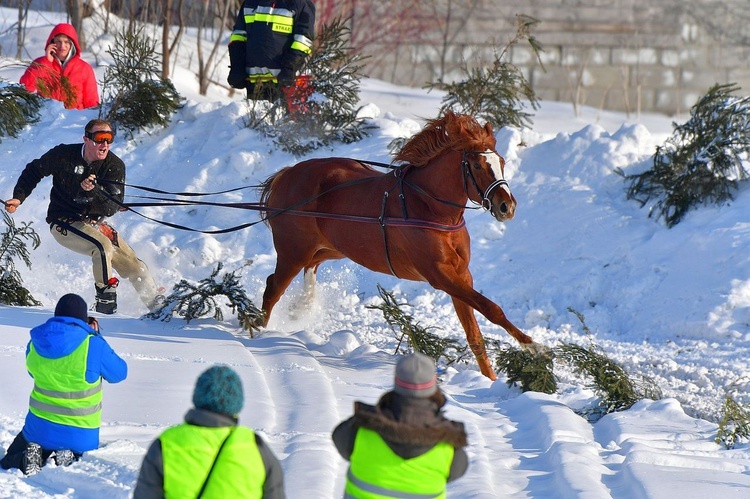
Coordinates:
column 408, row 223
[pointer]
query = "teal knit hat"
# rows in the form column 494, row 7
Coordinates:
column 219, row 389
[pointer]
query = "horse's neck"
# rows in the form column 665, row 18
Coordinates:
column 438, row 187
column 443, row 179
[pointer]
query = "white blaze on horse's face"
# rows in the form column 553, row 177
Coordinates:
column 504, row 208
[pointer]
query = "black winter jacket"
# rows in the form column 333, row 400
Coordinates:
column 68, row 169
column 264, row 48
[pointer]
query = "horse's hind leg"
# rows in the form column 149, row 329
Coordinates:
column 307, row 298
column 276, row 284
column 474, row 337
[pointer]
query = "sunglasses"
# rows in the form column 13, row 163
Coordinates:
column 101, row 137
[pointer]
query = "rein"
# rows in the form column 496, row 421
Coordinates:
column 382, row 220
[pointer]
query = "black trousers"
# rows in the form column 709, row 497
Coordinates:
column 14, row 455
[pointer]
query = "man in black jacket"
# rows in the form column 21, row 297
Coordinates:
column 88, row 185
column 269, row 44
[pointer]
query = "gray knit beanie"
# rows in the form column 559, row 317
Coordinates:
column 415, row 376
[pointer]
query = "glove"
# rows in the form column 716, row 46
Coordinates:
column 286, row 77
column 237, row 79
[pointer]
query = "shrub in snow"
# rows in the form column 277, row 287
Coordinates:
column 533, row 373
column 417, row 337
column 734, row 426
column 135, row 96
column 18, row 108
column 324, row 109
column 703, row 160
column 192, row 301
column 13, row 245
column 494, row 93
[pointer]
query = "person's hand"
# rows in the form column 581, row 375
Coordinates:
column 89, row 183
column 237, row 78
column 50, row 52
column 12, row 205
column 93, row 323
column 286, row 78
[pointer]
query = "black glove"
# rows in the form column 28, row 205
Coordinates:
column 286, row 77
column 237, row 79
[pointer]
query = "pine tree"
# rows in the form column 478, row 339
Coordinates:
column 18, row 108
column 702, row 162
column 135, row 96
column 13, row 245
column 494, row 94
column 323, row 109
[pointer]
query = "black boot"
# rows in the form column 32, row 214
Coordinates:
column 106, row 300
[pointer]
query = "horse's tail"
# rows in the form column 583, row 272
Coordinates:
column 266, row 189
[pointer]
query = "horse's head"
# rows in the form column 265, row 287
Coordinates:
column 485, row 170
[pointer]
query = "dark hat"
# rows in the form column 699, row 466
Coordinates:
column 72, row 305
column 415, row 376
column 219, row 389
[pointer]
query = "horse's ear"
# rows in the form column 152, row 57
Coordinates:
column 488, row 128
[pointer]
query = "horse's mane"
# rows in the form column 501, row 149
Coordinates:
column 452, row 131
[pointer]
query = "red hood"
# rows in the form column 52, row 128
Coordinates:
column 67, row 30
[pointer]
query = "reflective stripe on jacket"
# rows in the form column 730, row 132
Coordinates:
column 375, row 471
column 189, row 451
column 61, row 393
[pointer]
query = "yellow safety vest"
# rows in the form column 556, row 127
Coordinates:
column 376, row 472
column 189, row 451
column 61, row 393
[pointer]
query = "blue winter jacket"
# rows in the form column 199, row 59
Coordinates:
column 56, row 338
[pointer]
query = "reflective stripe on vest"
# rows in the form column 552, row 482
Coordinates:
column 61, row 393
column 188, row 452
column 376, row 471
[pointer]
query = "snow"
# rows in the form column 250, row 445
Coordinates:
column 671, row 304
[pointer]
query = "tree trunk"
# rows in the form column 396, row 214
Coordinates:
column 23, row 13
column 75, row 12
column 165, row 39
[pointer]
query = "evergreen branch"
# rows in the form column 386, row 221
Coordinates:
column 191, row 301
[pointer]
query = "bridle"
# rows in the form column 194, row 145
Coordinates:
column 485, row 197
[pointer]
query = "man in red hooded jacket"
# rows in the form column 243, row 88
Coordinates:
column 61, row 74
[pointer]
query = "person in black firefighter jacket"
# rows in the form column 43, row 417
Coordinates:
column 403, row 446
column 269, row 44
column 88, row 185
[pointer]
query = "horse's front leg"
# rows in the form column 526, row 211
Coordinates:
column 460, row 287
column 474, row 337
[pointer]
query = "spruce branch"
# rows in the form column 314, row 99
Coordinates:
column 13, row 244
column 191, row 301
column 417, row 337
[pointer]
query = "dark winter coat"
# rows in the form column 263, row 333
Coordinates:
column 45, row 77
column 264, row 50
column 68, row 169
column 57, row 338
column 151, row 477
column 409, row 426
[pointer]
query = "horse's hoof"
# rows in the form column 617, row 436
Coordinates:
column 535, row 348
